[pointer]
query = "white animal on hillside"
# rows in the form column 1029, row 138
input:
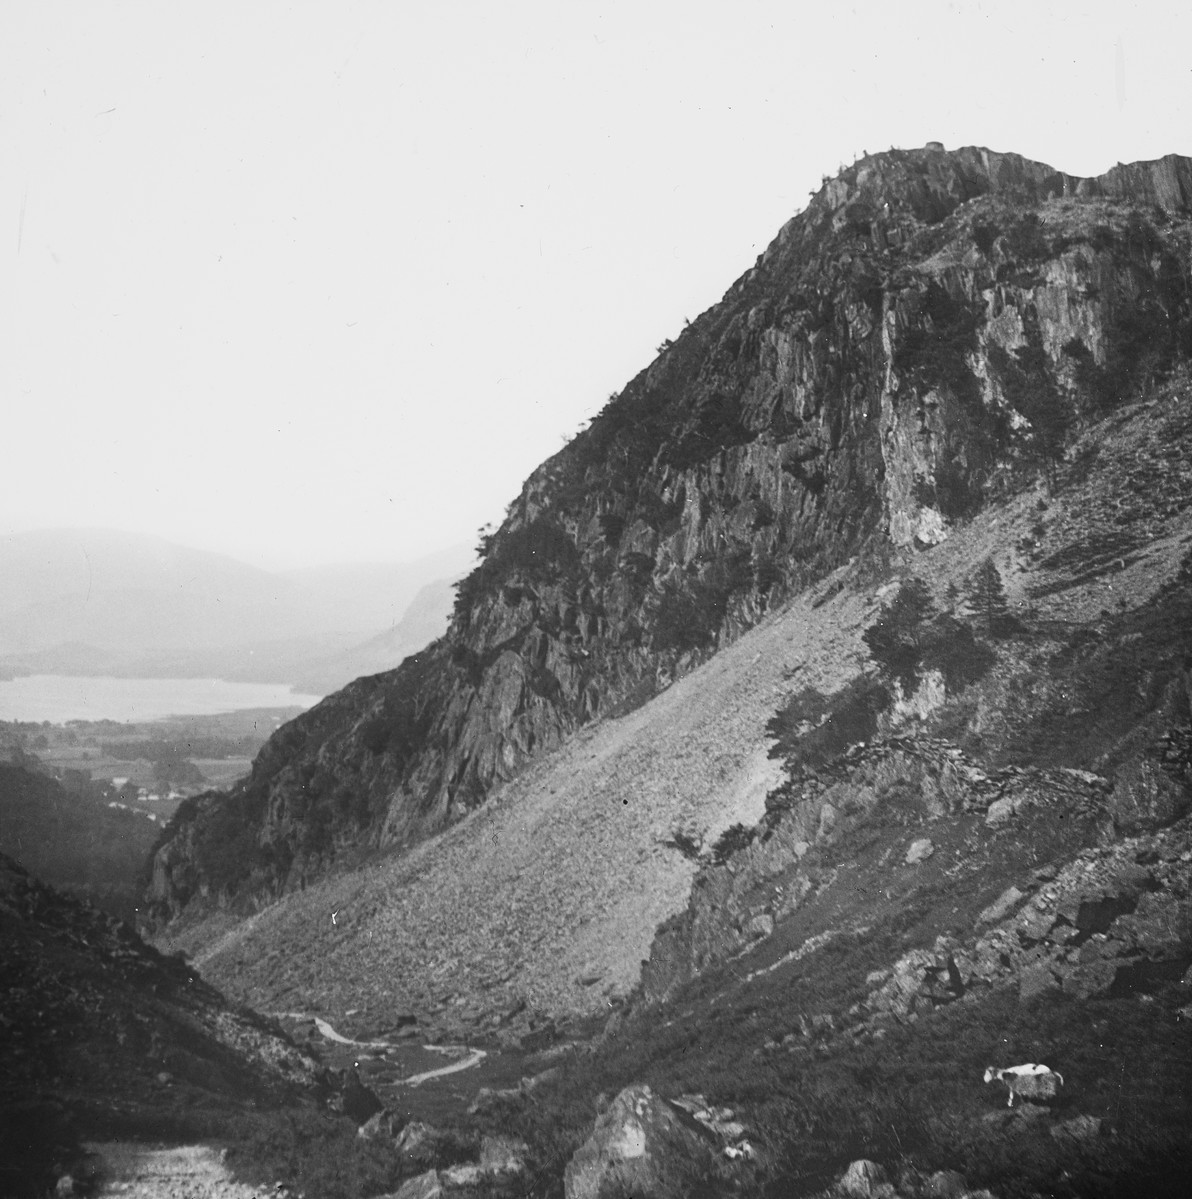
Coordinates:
column 1030, row 1080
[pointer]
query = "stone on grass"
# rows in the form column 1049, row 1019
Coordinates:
column 865, row 1180
column 920, row 850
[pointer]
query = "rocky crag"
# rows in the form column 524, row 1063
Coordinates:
column 931, row 329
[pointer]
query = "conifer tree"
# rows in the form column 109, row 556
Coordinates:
column 988, row 599
column 898, row 638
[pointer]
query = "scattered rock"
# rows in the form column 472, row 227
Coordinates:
column 920, row 850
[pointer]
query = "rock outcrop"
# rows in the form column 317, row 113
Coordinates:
column 641, row 1145
column 929, row 325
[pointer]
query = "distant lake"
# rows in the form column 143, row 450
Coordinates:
column 58, row 698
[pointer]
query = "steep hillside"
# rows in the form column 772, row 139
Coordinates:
column 929, row 336
column 551, row 894
column 890, row 844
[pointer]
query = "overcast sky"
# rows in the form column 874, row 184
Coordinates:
column 324, row 280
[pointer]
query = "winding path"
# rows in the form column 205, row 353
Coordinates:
column 474, row 1056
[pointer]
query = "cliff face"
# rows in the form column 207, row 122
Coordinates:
column 930, row 328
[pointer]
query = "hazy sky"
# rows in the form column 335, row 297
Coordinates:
column 324, row 280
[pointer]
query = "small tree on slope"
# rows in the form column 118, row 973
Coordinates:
column 988, row 600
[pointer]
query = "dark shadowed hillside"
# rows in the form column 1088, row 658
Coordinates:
column 74, row 842
column 930, row 336
column 112, row 1051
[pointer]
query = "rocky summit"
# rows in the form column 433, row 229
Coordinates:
column 812, row 741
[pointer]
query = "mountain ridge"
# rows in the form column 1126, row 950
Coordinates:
column 934, row 328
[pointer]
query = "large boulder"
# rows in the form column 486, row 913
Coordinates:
column 865, row 1180
column 642, row 1145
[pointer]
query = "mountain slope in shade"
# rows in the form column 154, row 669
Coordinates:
column 77, row 844
column 104, row 1036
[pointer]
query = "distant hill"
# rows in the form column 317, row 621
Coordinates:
column 377, row 594
column 424, row 621
column 93, row 601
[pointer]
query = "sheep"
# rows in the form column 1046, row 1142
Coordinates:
column 1031, row 1080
